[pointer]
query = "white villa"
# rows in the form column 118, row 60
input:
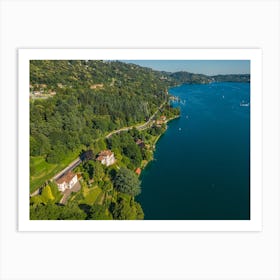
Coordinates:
column 106, row 157
column 67, row 181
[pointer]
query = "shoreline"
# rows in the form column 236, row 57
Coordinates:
column 166, row 122
column 156, row 140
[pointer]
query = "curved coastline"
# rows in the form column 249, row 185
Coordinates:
column 156, row 140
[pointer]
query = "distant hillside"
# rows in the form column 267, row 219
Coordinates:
column 241, row 78
column 183, row 77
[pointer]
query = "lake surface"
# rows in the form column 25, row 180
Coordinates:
column 201, row 169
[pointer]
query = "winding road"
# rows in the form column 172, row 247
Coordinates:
column 139, row 127
column 77, row 161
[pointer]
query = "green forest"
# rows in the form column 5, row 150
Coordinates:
column 73, row 106
column 77, row 114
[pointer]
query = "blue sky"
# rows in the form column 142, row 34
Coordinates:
column 208, row 67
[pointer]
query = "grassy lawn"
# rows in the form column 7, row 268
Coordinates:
column 100, row 198
column 41, row 171
column 91, row 195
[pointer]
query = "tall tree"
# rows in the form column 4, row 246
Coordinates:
column 127, row 182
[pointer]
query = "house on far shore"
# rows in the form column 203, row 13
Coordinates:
column 106, row 157
column 67, row 181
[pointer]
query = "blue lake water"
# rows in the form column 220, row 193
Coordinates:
column 201, row 169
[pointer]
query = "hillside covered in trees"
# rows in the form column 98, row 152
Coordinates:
column 241, row 78
column 73, row 106
column 91, row 98
column 184, row 77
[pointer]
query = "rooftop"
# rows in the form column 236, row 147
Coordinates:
column 139, row 141
column 138, row 171
column 66, row 177
column 104, row 154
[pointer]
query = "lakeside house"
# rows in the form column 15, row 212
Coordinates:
column 106, row 157
column 138, row 171
column 67, row 181
column 161, row 120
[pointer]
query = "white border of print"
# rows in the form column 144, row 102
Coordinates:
column 254, row 55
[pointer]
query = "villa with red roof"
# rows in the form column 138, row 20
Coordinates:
column 67, row 181
column 106, row 157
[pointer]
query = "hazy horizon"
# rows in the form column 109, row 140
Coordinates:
column 206, row 67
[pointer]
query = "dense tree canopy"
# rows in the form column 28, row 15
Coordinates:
column 98, row 212
column 73, row 106
column 92, row 98
column 127, row 182
column 56, row 212
column 127, row 209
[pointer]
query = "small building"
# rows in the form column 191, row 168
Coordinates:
column 138, row 171
column 96, row 86
column 161, row 120
column 140, row 143
column 106, row 157
column 67, row 181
